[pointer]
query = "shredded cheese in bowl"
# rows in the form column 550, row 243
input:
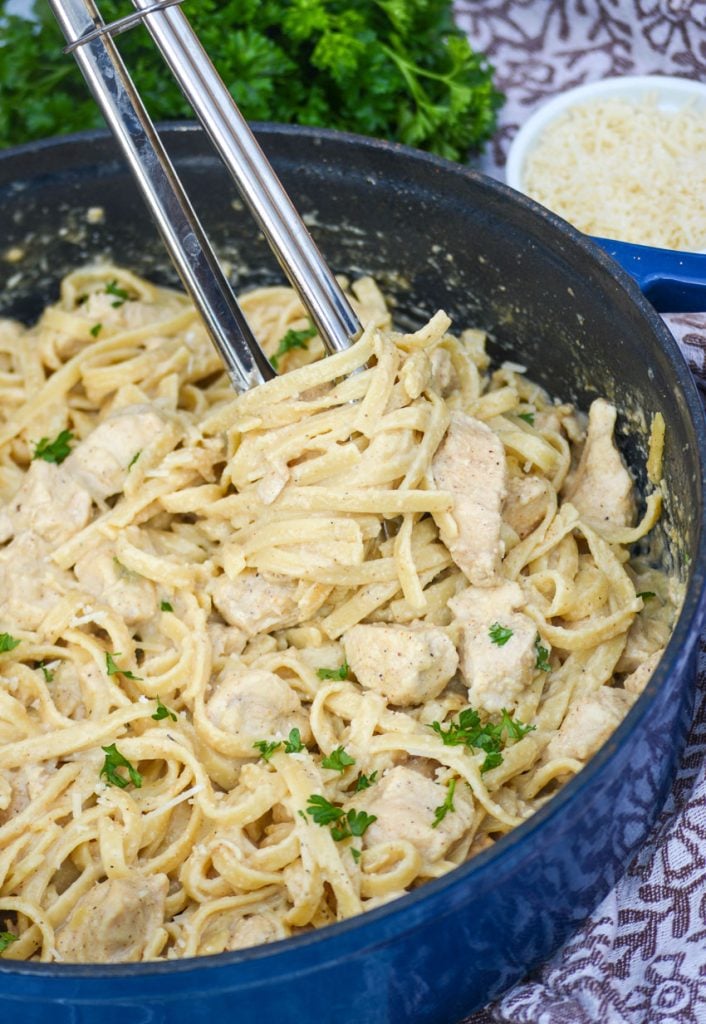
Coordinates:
column 623, row 165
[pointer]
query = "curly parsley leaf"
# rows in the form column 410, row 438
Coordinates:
column 113, row 670
column 6, row 939
column 365, row 781
column 56, row 450
column 442, row 810
column 338, row 760
column 114, row 760
column 387, row 68
column 322, row 810
column 46, row 672
column 121, row 296
column 293, row 744
column 343, row 824
column 513, row 727
column 354, row 823
column 499, row 634
column 163, row 712
column 266, row 748
column 8, row 643
column 292, row 339
column 542, row 662
column 334, row 673
column 489, row 737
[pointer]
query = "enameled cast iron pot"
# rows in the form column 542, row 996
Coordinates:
column 435, row 235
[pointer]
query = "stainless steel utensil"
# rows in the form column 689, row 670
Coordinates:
column 90, row 40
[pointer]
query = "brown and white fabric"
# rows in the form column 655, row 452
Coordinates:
column 641, row 957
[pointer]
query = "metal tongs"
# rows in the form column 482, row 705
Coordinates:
column 90, row 40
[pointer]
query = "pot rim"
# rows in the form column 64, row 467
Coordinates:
column 412, row 910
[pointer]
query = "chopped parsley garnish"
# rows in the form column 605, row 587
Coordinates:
column 355, row 854
column 293, row 744
column 528, row 417
column 56, row 450
column 96, row 329
column 47, row 673
column 113, row 670
column 338, row 760
column 499, row 634
column 354, row 823
column 8, row 643
column 344, row 824
column 6, row 939
column 469, row 732
column 293, row 339
column 134, row 459
column 165, row 606
column 114, row 760
column 365, row 781
column 442, row 810
column 646, row 595
column 334, row 673
column 515, row 729
column 542, row 662
column 266, row 748
column 322, row 810
column 163, row 711
column 120, row 294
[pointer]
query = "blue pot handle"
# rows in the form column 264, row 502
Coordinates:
column 674, row 282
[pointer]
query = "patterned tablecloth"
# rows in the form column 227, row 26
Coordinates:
column 641, row 957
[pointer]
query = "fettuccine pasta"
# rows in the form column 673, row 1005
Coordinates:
column 272, row 660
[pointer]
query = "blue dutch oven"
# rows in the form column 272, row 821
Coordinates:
column 435, row 235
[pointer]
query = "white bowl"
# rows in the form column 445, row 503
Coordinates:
column 670, row 93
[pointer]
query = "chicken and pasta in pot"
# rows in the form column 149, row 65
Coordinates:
column 270, row 661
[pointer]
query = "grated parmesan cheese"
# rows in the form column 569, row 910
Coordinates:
column 625, row 170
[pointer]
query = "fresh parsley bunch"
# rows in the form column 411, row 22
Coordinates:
column 396, row 69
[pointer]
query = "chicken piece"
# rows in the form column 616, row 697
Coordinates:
column 404, row 802
column 131, row 596
column 225, row 640
column 589, row 723
column 406, row 664
column 601, row 488
column 496, row 674
column 66, row 691
column 470, row 463
column 50, row 503
column 525, row 504
column 638, row 680
column 257, row 705
column 114, row 921
column 30, row 583
column 256, row 603
column 100, row 463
